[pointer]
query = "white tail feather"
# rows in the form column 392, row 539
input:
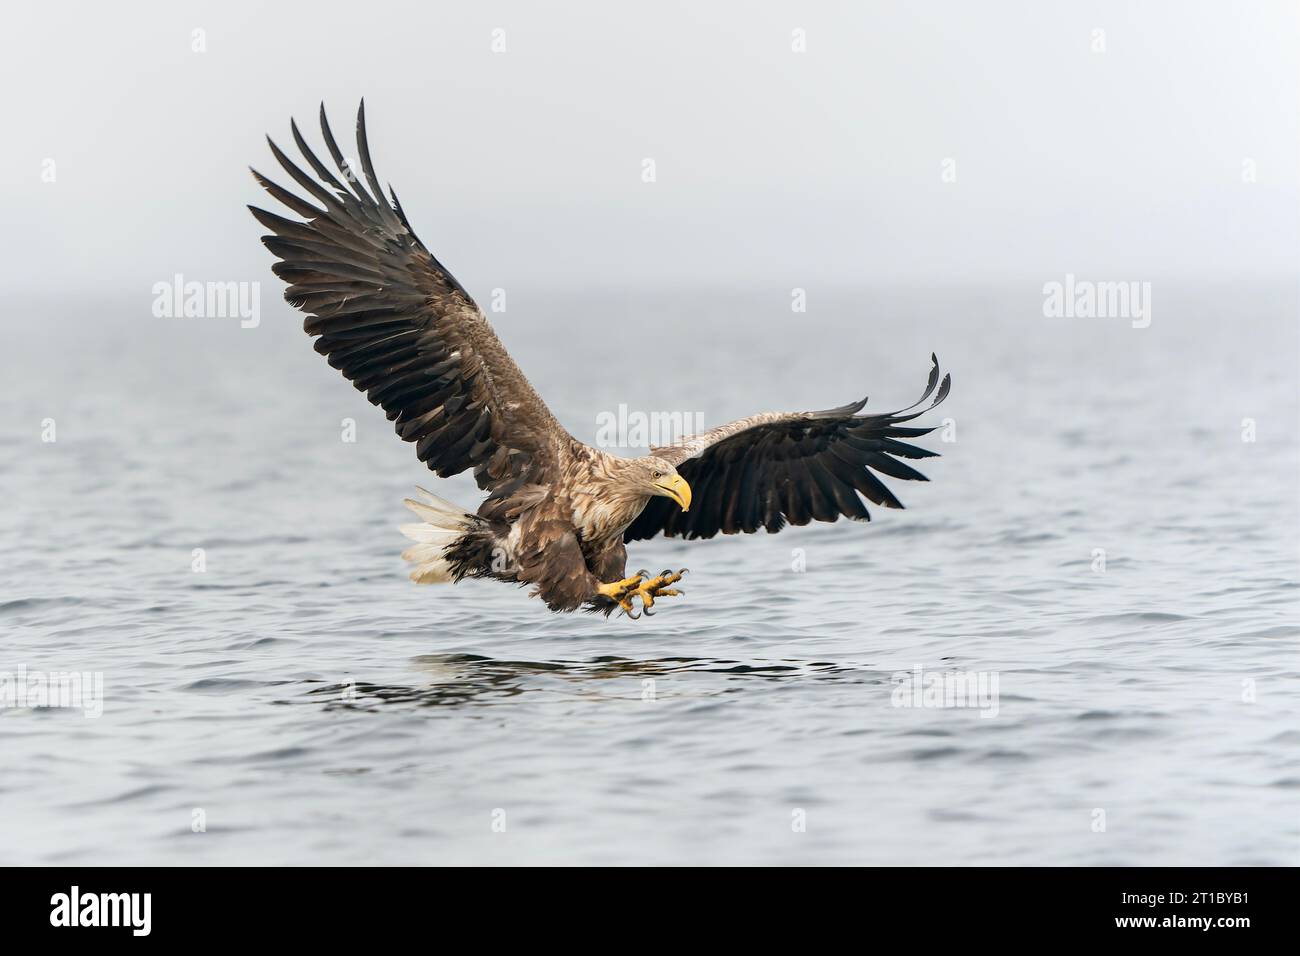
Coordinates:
column 443, row 524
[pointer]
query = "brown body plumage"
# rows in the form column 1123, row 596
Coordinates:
column 396, row 323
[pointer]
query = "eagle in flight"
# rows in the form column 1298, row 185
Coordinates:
column 558, row 515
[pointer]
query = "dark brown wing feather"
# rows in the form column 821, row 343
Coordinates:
column 400, row 327
column 795, row 467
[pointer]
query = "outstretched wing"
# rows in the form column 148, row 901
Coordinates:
column 779, row 467
column 401, row 328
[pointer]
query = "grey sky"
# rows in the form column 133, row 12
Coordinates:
column 772, row 166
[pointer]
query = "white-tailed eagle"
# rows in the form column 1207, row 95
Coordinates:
column 394, row 321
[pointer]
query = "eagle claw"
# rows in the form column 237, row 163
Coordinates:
column 620, row 592
column 657, row 587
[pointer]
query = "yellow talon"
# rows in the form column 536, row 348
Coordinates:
column 620, row 592
column 658, row 587
column 616, row 590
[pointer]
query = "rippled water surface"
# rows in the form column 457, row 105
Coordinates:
column 310, row 705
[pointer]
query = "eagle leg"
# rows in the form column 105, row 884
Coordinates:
column 657, row 587
column 620, row 592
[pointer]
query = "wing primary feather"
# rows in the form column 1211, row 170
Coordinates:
column 300, row 206
column 336, row 154
column 302, row 179
column 894, row 468
column 929, row 385
column 284, row 228
column 368, row 168
column 321, row 169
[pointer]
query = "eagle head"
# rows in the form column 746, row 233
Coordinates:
column 657, row 476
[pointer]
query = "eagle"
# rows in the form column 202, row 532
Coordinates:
column 558, row 513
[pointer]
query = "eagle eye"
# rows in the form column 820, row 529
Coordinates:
column 656, row 474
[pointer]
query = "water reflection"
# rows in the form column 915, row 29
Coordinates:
column 459, row 679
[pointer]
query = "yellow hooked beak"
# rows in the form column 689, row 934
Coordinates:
column 676, row 488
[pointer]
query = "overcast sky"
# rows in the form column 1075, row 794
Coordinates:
column 771, row 165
